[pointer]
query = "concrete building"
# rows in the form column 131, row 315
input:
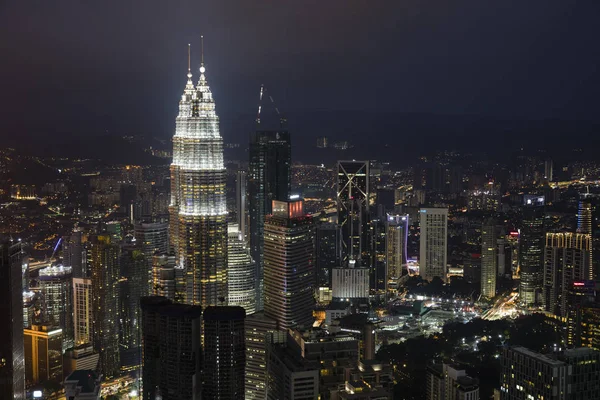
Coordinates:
column 433, row 251
column 257, row 327
column 350, row 283
column 447, row 382
column 241, row 271
column 288, row 261
column 82, row 310
column 171, row 349
column 43, row 355
column 224, row 353
column 489, row 259
column 56, row 284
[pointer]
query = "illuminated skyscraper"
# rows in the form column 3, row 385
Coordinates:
column 584, row 216
column 289, row 268
column 240, row 272
column 198, row 210
column 395, row 248
column 56, row 284
column 269, row 178
column 353, row 208
column 531, row 250
column 43, row 355
column 153, row 238
column 489, row 259
column 327, row 252
column 433, row 242
column 82, row 310
column 105, row 274
column 73, row 253
column 12, row 365
column 566, row 260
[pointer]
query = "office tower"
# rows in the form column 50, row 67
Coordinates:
column 269, row 178
column 72, row 249
column 198, row 209
column 56, row 284
column 257, row 326
column 368, row 380
column 82, row 310
column 12, row 369
column 489, row 258
column 153, row 237
column 353, row 208
column 224, row 353
column 241, row 271
column 171, row 350
column 289, row 375
column 81, row 357
column 83, row 384
column 377, row 245
column 167, row 280
column 531, row 250
column 503, row 249
column 573, row 374
column 435, row 385
column 583, row 314
column 133, row 286
column 566, row 259
column 350, row 283
column 241, row 203
column 335, row 352
column 395, row 249
column 327, row 252
column 289, row 253
column 433, row 251
column 105, row 274
column 584, row 216
column 43, row 355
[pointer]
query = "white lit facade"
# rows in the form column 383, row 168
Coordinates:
column 433, row 252
column 240, row 272
column 198, row 227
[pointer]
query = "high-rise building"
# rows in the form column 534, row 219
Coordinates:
column 133, row 286
column 548, row 170
column 171, row 349
column 43, row 355
column 224, row 357
column 153, row 237
column 82, row 311
column 433, row 251
column 395, row 249
column 531, row 250
column 322, row 142
column 12, row 367
column 105, row 274
column 72, row 249
column 198, row 209
column 241, row 203
column 327, row 252
column 377, row 255
column 489, row 258
column 289, row 375
column 289, row 269
column 168, row 279
column 241, row 271
column 584, row 216
column 353, row 196
column 574, row 374
column 269, row 178
column 350, row 283
column 566, row 260
column 56, row 284
column 257, row 326
column 583, row 314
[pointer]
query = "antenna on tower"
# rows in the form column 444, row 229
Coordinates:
column 282, row 119
column 202, row 50
column 189, row 57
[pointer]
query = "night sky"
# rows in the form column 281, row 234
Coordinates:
column 85, row 67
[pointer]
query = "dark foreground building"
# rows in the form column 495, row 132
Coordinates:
column 171, row 349
column 224, row 353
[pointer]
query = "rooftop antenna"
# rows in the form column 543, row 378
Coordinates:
column 202, row 50
column 189, row 57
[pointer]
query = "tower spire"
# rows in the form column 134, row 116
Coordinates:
column 189, row 57
column 202, row 50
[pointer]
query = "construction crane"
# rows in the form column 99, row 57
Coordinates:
column 282, row 119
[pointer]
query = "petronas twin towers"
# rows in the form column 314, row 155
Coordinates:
column 198, row 212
